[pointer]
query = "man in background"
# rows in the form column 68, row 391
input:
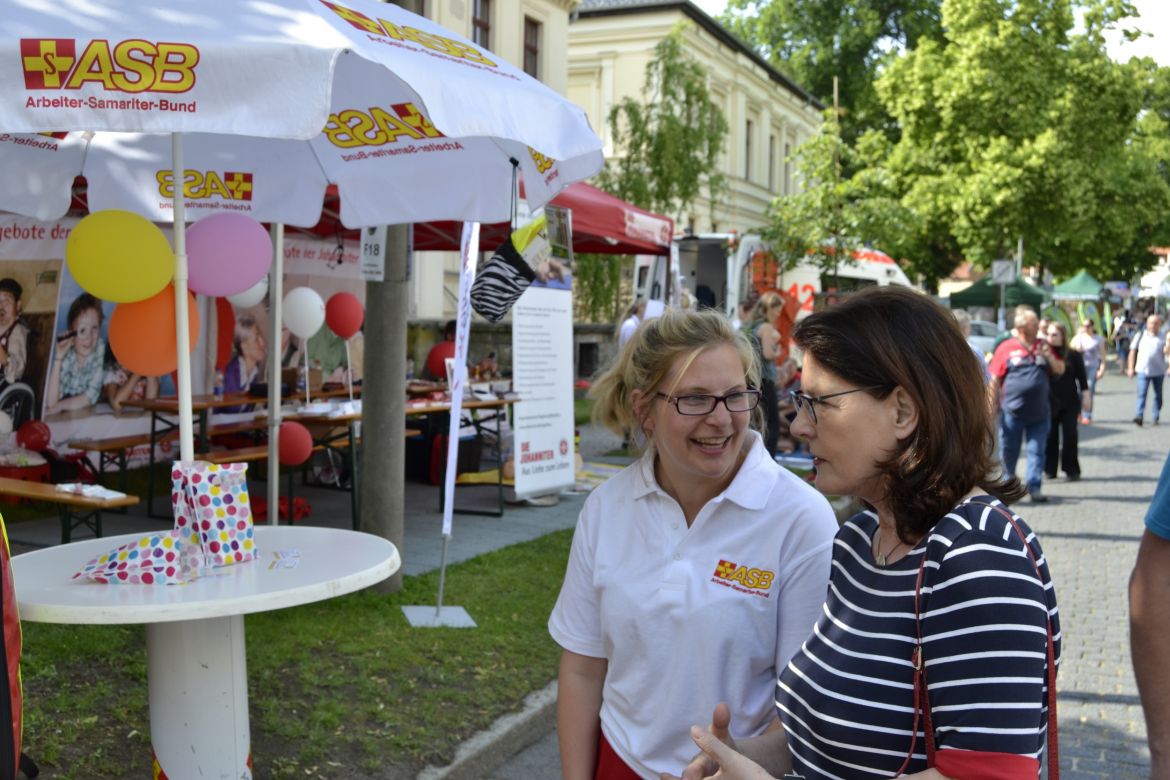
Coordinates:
column 435, row 366
column 1018, row 389
column 1148, row 361
column 630, row 324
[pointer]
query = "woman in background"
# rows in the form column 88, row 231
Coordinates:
column 1092, row 349
column 761, row 329
column 249, row 350
column 1069, row 395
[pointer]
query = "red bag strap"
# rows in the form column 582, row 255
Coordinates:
column 922, row 700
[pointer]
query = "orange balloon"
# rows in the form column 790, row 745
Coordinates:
column 142, row 334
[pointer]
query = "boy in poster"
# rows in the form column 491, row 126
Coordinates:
column 13, row 332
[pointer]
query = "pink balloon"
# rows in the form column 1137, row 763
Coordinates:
column 227, row 253
column 344, row 314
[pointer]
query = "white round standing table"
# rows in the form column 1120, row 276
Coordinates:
column 197, row 673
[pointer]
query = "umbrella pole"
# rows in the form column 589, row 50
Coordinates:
column 182, row 328
column 275, row 298
column 348, row 371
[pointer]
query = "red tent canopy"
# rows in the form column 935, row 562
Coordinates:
column 601, row 223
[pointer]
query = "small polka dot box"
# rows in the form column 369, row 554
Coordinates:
column 158, row 559
column 212, row 510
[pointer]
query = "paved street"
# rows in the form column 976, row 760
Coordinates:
column 1090, row 531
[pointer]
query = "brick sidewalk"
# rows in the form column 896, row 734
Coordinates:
column 1090, row 532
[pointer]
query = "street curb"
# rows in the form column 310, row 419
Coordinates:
column 490, row 749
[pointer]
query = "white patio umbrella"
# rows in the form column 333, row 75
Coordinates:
column 266, row 69
column 411, row 121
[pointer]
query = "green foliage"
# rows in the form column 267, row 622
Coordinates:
column 813, row 42
column 596, row 287
column 669, row 142
column 833, row 214
column 1015, row 126
column 968, row 124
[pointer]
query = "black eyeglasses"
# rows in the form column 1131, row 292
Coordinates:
column 805, row 401
column 698, row 405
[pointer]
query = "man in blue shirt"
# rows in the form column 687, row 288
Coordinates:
column 1149, row 614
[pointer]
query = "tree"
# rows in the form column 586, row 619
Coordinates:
column 815, row 42
column 597, row 281
column 1014, row 127
column 668, row 143
column 835, row 213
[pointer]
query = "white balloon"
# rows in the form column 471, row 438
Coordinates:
column 252, row 296
column 304, row 312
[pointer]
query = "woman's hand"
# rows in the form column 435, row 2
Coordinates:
column 721, row 757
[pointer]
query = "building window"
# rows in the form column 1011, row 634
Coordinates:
column 771, row 163
column 481, row 23
column 787, row 188
column 747, row 151
column 532, row 48
column 414, row 6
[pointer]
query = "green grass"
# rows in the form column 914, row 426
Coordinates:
column 340, row 688
column 582, row 411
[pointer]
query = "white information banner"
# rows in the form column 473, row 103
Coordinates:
column 457, row 374
column 542, row 372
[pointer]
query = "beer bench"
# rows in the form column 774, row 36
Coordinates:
column 112, row 451
column 73, row 508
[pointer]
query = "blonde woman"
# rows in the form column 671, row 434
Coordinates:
column 696, row 572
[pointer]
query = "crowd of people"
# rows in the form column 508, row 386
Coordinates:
column 919, row 638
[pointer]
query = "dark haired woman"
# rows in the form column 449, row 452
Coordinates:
column 894, row 411
column 1069, row 394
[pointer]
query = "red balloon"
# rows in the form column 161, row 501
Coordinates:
column 142, row 334
column 344, row 314
column 296, row 443
column 34, row 435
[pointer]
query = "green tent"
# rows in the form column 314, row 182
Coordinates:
column 985, row 293
column 1082, row 287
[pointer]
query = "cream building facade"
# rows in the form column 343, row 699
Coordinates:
column 531, row 35
column 768, row 115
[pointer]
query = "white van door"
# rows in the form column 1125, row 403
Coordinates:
column 651, row 273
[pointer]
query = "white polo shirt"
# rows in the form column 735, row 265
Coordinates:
column 689, row 617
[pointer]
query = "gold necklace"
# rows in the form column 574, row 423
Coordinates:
column 880, row 558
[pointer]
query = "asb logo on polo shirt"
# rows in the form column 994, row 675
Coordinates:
column 229, row 185
column 743, row 578
column 132, row 66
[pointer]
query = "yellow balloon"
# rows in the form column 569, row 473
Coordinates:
column 119, row 256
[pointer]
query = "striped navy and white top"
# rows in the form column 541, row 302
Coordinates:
column 847, row 698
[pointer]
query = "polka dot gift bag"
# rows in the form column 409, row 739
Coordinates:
column 158, row 559
column 212, row 511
